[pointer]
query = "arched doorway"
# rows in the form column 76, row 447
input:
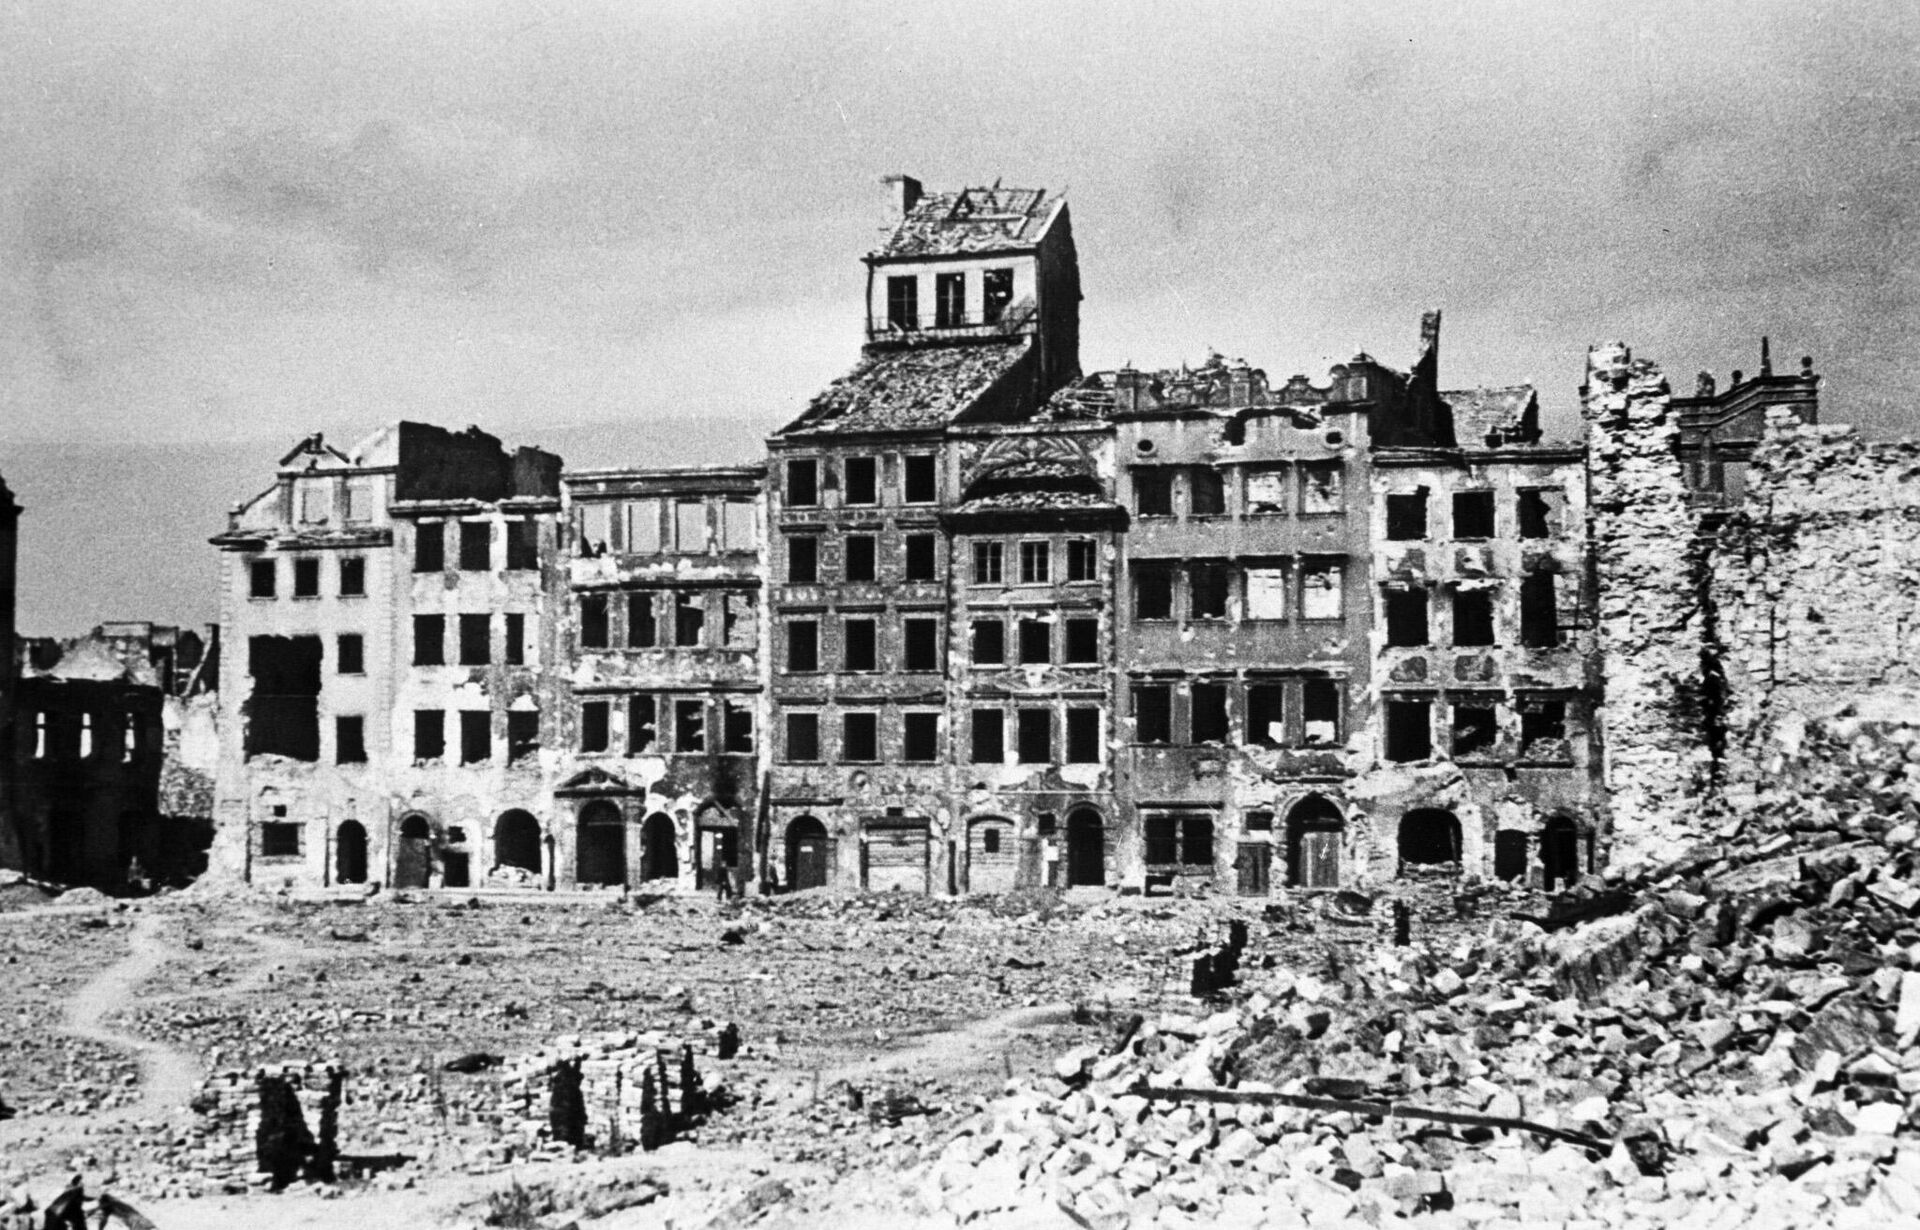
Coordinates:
column 1509, row 855
column 1560, row 853
column 1086, row 848
column 1314, row 831
column 601, row 844
column 350, row 853
column 414, row 856
column 806, row 854
column 659, row 854
column 1429, row 837
column 992, row 861
column 516, row 841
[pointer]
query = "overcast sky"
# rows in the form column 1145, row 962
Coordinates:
column 223, row 222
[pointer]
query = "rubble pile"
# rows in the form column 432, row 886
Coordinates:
column 633, row 1087
column 217, row 1151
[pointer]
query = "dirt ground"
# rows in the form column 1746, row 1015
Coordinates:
column 118, row 1012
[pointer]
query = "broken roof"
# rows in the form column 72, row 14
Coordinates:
column 901, row 390
column 1495, row 416
column 972, row 220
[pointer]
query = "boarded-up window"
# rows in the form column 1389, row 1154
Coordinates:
column 896, row 857
column 1267, row 492
column 1321, row 488
column 1320, row 586
column 1266, row 593
column 1267, row 714
column 643, row 527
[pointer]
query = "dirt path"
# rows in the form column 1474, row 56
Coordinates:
column 168, row 1076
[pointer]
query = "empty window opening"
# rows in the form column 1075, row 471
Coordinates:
column 1206, row 492
column 920, row 644
column 803, row 483
column 989, row 736
column 1321, row 488
column 429, row 734
column 690, row 527
column 643, row 724
column 430, row 546
column 429, row 640
column 279, row 839
column 594, row 725
column 689, row 726
column 1083, row 641
column 1475, row 730
column 1559, row 853
column 1210, row 722
column 860, row 644
column 1321, row 712
column 1473, row 514
column 861, row 550
column 803, row 645
column 643, row 526
column 1407, row 516
column 1538, row 512
column 1182, row 840
column 996, row 292
column 523, row 734
column 903, row 302
column 353, row 577
column 920, row 558
column 1409, row 730
column 920, row 737
column 803, row 559
column 949, row 300
column 306, row 578
column 1153, row 591
column 1509, row 855
column 350, row 739
column 594, row 621
column 516, row 841
column 1543, row 730
column 1267, row 492
column 1266, row 593
column 643, row 629
column 1036, row 563
column 1036, row 736
column 918, row 479
column 1320, row 586
column 260, row 576
column 515, row 641
column 989, row 642
column 1429, row 837
column 989, row 839
column 1267, row 714
column 1036, row 642
column 737, row 529
column 1539, row 611
column 523, row 545
column 476, row 736
column 476, row 546
column 1207, row 591
column 1152, row 713
column 1259, row 822
column 860, row 737
column 863, row 480
column 1082, row 562
column 1406, row 617
column 740, row 624
column 689, row 619
column 475, row 633
column 989, row 563
column 803, row 737
column 1153, row 492
column 1473, row 617
column 350, row 656
column 1083, row 736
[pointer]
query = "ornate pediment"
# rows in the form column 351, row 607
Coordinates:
column 595, row 780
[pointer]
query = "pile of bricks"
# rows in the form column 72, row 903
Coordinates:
column 219, row 1151
column 614, row 1069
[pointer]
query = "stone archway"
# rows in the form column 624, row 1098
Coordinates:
column 350, row 853
column 516, row 841
column 659, row 848
column 1315, row 829
column 413, row 856
column 807, row 854
column 600, row 845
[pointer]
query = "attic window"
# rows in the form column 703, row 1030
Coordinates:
column 903, row 303
column 996, row 294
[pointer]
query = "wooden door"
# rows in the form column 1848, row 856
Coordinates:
column 1252, row 863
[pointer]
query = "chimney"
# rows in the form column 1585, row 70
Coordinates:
column 906, row 193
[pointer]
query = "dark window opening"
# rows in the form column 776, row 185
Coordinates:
column 1473, row 514
column 594, row 725
column 990, row 840
column 1035, row 736
column 1531, row 511
column 1320, row 712
column 1473, row 617
column 920, row 644
column 643, row 628
column 1509, row 855
column 1409, row 730
column 523, row 734
column 1406, row 617
column 989, row 736
column 996, row 294
column 860, row 737
column 860, row 557
column 737, row 726
column 949, row 300
column 279, row 839
column 429, row 734
column 1267, row 714
column 1207, row 591
column 989, row 560
column 350, row 656
column 803, row 737
column 1210, row 723
column 689, row 726
column 860, row 645
column 903, row 302
column 689, row 619
column 989, row 642
column 516, row 640
column 1152, row 591
column 1152, row 713
column 476, row 546
column 429, row 640
column 475, row 633
column 594, row 622
column 919, row 480
column 920, row 737
column 1206, row 492
column 1082, row 563
column 261, row 578
column 523, row 545
column 920, row 562
column 1407, row 516
column 803, row 645
column 803, row 483
column 803, row 559
column 1429, row 837
column 430, row 546
column 306, row 578
column 353, row 577
column 643, row 731
column 350, row 740
column 863, row 480
column 476, row 736
column 1083, row 641
column 1543, row 729
column 1036, row 642
column 1083, row 736
column 1259, row 822
column 1153, row 492
column 1179, row 840
column 1474, row 729
column 1539, row 611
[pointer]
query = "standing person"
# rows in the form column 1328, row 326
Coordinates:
column 722, row 881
